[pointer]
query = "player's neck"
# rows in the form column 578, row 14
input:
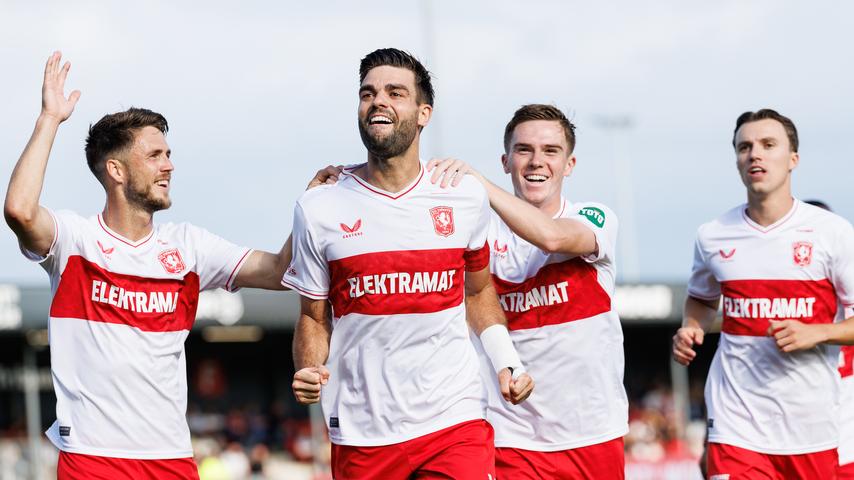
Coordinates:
column 392, row 174
column 551, row 207
column 766, row 210
column 129, row 222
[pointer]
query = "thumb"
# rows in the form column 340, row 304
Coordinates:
column 75, row 95
column 504, row 378
column 773, row 325
column 324, row 374
column 699, row 336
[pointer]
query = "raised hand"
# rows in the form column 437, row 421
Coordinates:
column 54, row 102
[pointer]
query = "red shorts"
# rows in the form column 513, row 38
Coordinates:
column 845, row 472
column 74, row 466
column 604, row 461
column 464, row 451
column 740, row 463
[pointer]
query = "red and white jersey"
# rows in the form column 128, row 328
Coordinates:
column 120, row 313
column 846, row 403
column 393, row 267
column 801, row 268
column 568, row 335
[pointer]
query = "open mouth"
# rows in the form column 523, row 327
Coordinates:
column 162, row 183
column 536, row 178
column 756, row 171
column 380, row 119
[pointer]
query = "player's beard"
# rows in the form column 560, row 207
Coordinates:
column 392, row 145
column 142, row 197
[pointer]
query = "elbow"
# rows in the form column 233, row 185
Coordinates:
column 17, row 216
column 552, row 244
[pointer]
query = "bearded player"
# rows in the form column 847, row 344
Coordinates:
column 553, row 264
column 405, row 268
column 125, row 292
column 784, row 270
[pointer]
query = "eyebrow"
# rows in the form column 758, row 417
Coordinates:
column 396, row 86
column 761, row 140
column 528, row 145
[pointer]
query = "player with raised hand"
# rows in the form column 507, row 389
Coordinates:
column 785, row 272
column 405, row 268
column 553, row 264
column 125, row 291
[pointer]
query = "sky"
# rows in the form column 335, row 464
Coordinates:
column 260, row 95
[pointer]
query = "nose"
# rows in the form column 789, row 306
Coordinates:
column 381, row 99
column 167, row 165
column 537, row 159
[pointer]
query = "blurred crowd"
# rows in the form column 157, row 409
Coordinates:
column 249, row 442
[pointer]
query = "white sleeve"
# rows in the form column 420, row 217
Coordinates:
column 308, row 273
column 481, row 230
column 702, row 284
column 217, row 260
column 842, row 268
column 602, row 221
column 64, row 240
column 477, row 251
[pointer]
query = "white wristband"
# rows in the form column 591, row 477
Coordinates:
column 500, row 350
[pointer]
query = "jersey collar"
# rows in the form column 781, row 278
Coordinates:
column 381, row 192
column 121, row 238
column 750, row 223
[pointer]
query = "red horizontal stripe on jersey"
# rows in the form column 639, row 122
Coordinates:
column 846, row 369
column 749, row 305
column 89, row 292
column 477, row 260
column 384, row 283
column 559, row 293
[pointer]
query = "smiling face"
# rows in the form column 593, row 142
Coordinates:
column 538, row 159
column 148, row 171
column 390, row 114
column 764, row 158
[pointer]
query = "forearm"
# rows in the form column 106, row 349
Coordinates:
column 25, row 185
column 529, row 222
column 699, row 313
column 311, row 342
column 841, row 333
column 483, row 309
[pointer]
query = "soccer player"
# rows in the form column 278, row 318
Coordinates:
column 125, row 292
column 553, row 264
column 404, row 265
column 782, row 267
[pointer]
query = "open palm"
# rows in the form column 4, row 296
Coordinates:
column 54, row 103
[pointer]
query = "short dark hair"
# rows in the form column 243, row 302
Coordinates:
column 768, row 114
column 115, row 132
column 819, row 204
column 538, row 111
column 393, row 57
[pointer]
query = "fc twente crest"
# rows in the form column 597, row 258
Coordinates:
column 443, row 220
column 171, row 260
column 802, row 253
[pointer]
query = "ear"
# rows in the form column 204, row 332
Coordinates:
column 570, row 164
column 425, row 111
column 505, row 162
column 794, row 161
column 115, row 170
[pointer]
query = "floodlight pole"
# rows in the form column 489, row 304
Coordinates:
column 613, row 125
